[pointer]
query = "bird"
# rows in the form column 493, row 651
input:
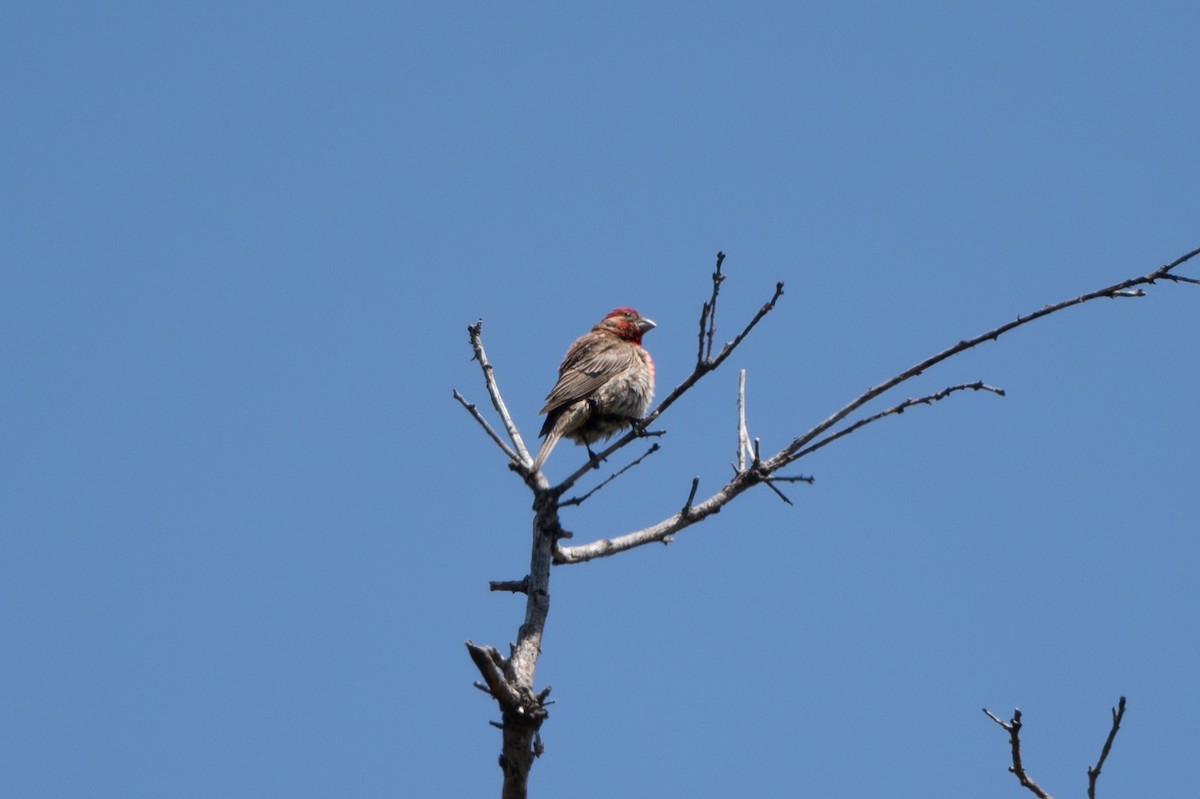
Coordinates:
column 605, row 383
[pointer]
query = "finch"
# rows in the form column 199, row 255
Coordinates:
column 605, row 383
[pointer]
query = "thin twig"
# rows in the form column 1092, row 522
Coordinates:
column 743, row 434
column 797, row 478
column 778, row 493
column 487, row 428
column 1118, row 713
column 709, row 365
column 730, row 346
column 489, row 377
column 579, row 500
column 717, row 278
column 700, row 335
column 687, row 506
column 928, row 399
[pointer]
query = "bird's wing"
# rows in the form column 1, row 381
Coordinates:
column 586, row 368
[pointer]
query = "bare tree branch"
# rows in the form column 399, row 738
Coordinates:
column 663, row 529
column 762, row 472
column 928, row 399
column 489, row 377
column 707, row 365
column 473, row 409
column 1126, row 288
column 1014, row 737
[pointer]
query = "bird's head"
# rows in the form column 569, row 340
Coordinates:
column 627, row 324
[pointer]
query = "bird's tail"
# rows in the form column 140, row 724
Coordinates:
column 552, row 438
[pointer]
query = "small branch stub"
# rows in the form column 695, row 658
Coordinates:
column 515, row 586
column 687, row 506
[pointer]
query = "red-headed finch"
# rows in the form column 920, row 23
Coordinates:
column 605, row 383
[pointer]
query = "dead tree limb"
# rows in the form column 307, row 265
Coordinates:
column 510, row 680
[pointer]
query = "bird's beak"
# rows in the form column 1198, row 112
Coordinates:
column 646, row 325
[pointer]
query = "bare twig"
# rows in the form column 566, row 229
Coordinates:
column 769, row 484
column 1014, row 737
column 476, row 333
column 730, row 346
column 487, row 428
column 798, row 478
column 1093, row 772
column 928, row 399
column 579, row 500
column 711, row 307
column 743, row 448
column 709, row 365
column 1182, row 279
column 691, row 496
column 788, row 478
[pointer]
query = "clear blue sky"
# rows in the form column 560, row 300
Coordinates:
column 245, row 529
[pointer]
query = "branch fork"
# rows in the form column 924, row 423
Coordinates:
column 1013, row 728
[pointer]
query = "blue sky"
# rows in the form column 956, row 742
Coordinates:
column 246, row 530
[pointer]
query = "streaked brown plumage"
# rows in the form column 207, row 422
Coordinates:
column 605, row 383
